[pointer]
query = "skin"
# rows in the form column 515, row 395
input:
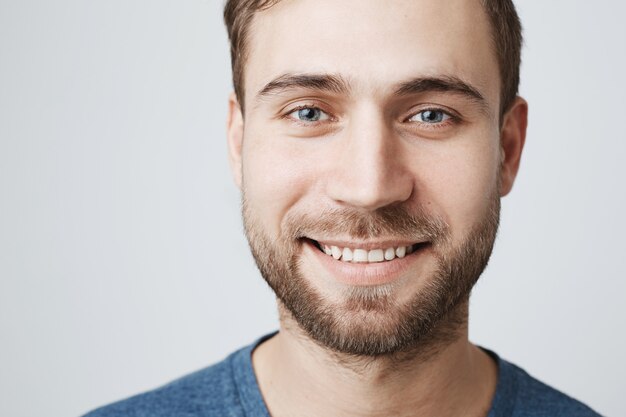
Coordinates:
column 373, row 151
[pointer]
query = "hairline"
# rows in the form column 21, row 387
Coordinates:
column 243, row 55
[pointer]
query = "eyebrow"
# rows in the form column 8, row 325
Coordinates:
column 339, row 85
column 320, row 82
column 450, row 84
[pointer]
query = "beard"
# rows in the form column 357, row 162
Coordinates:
column 370, row 321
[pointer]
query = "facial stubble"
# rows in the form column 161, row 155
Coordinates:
column 370, row 321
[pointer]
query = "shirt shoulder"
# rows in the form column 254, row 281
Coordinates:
column 208, row 392
column 521, row 395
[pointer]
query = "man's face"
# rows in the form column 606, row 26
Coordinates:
column 371, row 128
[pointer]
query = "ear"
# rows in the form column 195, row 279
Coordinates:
column 512, row 138
column 234, row 134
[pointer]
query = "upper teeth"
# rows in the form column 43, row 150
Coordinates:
column 363, row 255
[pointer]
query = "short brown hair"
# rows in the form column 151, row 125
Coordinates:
column 506, row 34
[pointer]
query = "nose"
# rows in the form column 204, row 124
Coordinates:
column 369, row 166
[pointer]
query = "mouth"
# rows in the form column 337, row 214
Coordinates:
column 367, row 253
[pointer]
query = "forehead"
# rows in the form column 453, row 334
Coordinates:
column 374, row 44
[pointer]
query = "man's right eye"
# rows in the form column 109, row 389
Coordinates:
column 308, row 115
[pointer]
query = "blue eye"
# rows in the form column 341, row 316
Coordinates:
column 430, row 116
column 309, row 114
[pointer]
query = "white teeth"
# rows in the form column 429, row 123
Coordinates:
column 359, row 255
column 376, row 255
column 363, row 256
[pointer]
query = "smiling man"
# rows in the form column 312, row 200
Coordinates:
column 372, row 141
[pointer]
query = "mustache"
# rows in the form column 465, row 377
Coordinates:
column 395, row 221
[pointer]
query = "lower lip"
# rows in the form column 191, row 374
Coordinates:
column 362, row 273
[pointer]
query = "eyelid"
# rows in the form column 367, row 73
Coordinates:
column 286, row 113
column 289, row 109
column 454, row 116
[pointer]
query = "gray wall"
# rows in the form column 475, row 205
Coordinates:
column 122, row 262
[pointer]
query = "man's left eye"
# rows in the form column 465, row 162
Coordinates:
column 430, row 116
column 309, row 114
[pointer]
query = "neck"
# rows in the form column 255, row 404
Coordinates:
column 297, row 376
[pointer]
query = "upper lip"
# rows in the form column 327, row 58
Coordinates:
column 378, row 244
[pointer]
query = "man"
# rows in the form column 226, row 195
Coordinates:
column 372, row 142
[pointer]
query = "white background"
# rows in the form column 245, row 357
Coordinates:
column 122, row 261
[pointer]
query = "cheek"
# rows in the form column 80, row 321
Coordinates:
column 275, row 177
column 461, row 182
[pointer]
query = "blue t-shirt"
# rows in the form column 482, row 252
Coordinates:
column 229, row 389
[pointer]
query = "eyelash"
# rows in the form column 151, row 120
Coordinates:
column 306, row 124
column 452, row 118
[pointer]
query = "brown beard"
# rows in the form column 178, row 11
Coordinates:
column 369, row 321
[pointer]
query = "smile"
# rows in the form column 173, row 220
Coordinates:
column 365, row 263
column 365, row 253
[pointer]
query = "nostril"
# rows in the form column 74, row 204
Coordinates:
column 362, row 189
